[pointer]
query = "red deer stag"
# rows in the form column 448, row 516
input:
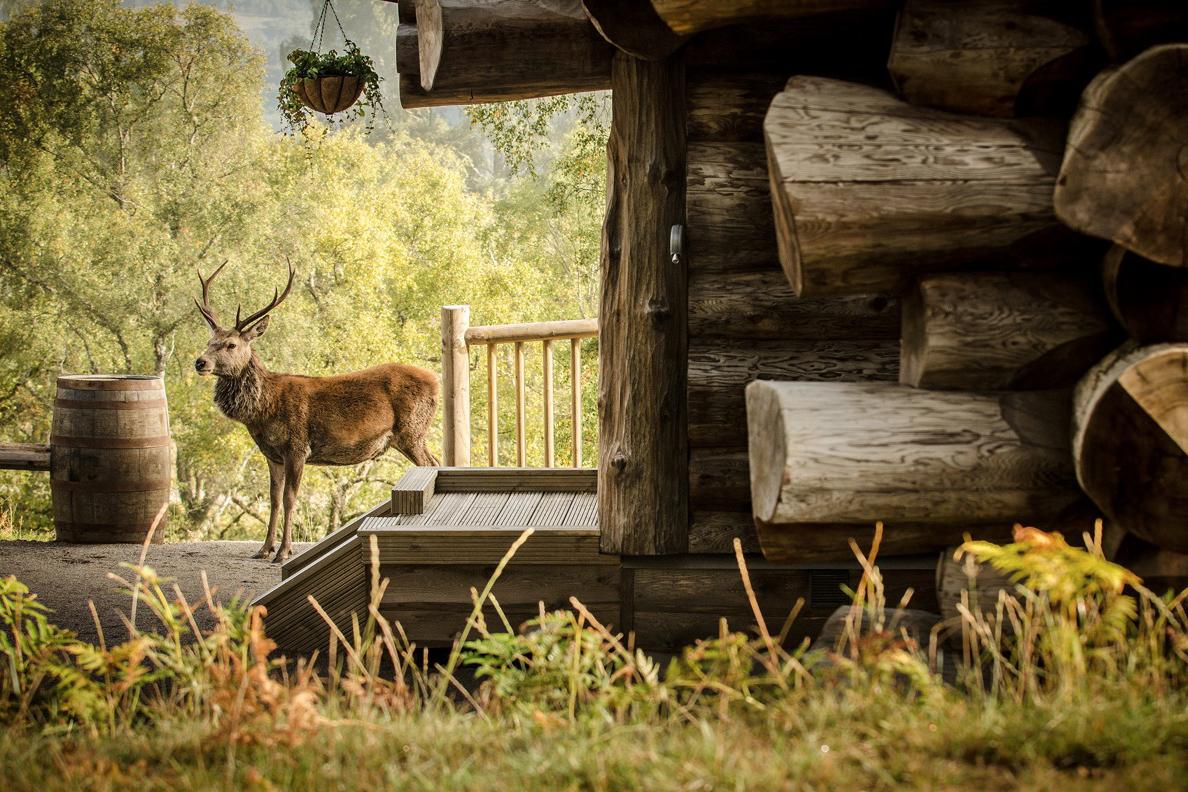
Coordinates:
column 294, row 419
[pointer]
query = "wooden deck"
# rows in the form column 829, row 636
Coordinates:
column 442, row 535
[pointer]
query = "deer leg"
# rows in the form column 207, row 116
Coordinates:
column 276, row 485
column 417, row 452
column 294, row 468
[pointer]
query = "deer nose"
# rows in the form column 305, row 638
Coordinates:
column 200, row 364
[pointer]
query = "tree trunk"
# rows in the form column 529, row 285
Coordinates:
column 643, row 463
column 861, row 452
column 1130, row 441
column 869, row 191
column 1149, row 299
column 1123, row 172
column 1003, row 331
column 471, row 51
column 992, row 57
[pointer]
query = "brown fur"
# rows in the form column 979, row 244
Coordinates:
column 343, row 419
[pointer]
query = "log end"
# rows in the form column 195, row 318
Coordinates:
column 766, row 451
column 1130, row 441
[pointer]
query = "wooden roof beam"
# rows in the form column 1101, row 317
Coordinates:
column 452, row 52
column 686, row 17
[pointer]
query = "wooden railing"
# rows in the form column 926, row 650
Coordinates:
column 457, row 336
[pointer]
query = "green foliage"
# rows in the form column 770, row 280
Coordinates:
column 119, row 177
column 565, row 703
column 311, row 65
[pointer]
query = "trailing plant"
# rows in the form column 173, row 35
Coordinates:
column 308, row 65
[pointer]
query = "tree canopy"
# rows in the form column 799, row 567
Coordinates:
column 137, row 152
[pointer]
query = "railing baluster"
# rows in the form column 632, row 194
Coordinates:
column 521, row 440
column 548, row 402
column 492, row 406
column 457, row 336
column 575, row 395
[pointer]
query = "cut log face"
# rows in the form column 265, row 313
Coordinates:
column 687, row 17
column 1123, row 172
column 861, row 452
column 1130, row 441
column 987, row 57
column 869, row 191
column 473, row 51
column 1149, row 299
column 1003, row 330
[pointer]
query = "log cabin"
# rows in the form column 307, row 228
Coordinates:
column 912, row 261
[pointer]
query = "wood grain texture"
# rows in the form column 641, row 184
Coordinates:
column 1150, row 300
column 720, row 370
column 729, row 106
column 714, row 532
column 110, row 461
column 633, row 27
column 520, row 584
column 989, row 57
column 332, row 540
column 455, row 385
column 869, row 191
column 500, row 50
column 729, row 208
column 1123, row 172
column 337, row 579
column 719, row 479
column 1003, row 331
column 1130, row 441
column 643, row 459
column 687, row 17
column 438, row 544
column 860, row 452
column 516, row 480
column 24, row 456
column 414, row 489
column 761, row 306
column 823, row 542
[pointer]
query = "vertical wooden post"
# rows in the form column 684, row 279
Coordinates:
column 643, row 468
column 492, row 406
column 548, row 402
column 575, row 397
column 455, row 378
column 521, row 436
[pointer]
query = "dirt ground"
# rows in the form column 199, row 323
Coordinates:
column 66, row 576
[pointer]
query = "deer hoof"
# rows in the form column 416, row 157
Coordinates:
column 281, row 555
column 263, row 552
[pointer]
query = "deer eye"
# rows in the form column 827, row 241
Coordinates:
column 231, row 345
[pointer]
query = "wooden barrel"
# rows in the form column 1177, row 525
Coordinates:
column 110, row 458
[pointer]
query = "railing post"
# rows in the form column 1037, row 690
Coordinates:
column 455, row 380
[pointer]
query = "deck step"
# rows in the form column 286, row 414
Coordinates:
column 439, row 538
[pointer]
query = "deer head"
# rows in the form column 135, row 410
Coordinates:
column 229, row 350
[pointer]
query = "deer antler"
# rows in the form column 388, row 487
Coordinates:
column 277, row 298
column 204, row 306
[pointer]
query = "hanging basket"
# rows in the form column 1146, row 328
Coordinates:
column 329, row 95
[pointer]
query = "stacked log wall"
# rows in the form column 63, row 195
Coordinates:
column 744, row 321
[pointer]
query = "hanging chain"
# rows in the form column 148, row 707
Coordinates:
column 320, row 28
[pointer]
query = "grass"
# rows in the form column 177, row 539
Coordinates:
column 1076, row 678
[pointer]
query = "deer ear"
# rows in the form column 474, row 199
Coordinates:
column 256, row 330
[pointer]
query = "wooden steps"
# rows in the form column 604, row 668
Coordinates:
column 441, row 537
